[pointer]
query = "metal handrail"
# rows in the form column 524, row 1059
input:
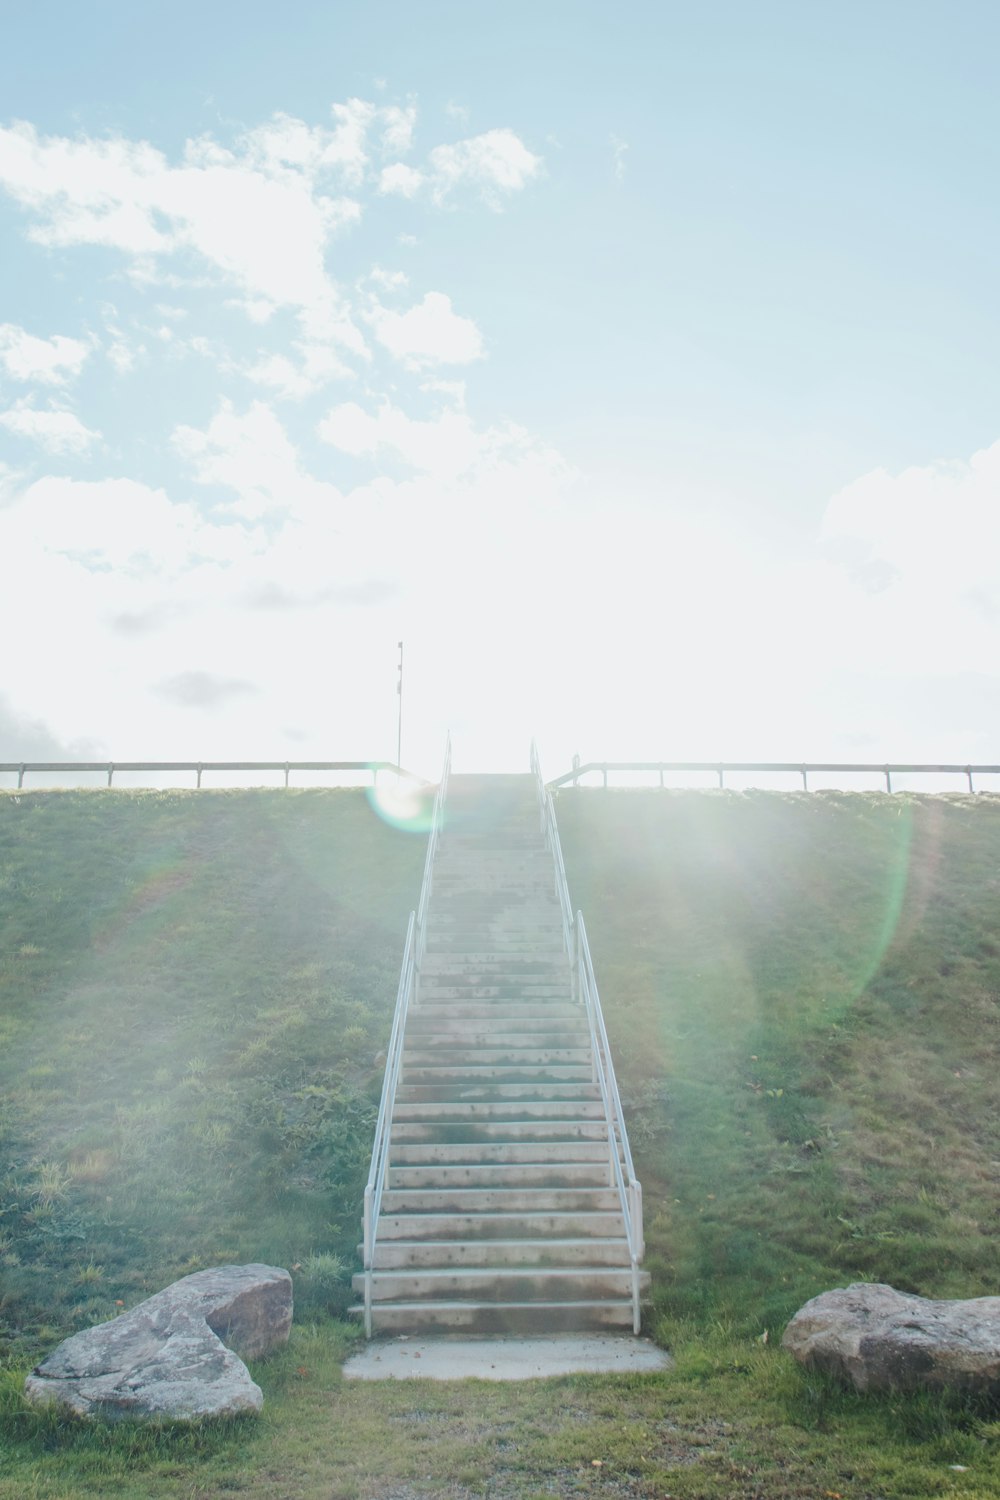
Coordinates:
column 406, row 996
column 787, row 767
column 619, row 1152
column 109, row 767
column 621, row 1167
column 383, row 1127
column 427, row 883
column 550, row 832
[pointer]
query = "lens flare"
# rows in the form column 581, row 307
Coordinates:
column 403, row 804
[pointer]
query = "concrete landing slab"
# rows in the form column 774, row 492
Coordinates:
column 455, row 1358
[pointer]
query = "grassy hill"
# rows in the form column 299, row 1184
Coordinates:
column 194, row 992
column 803, row 995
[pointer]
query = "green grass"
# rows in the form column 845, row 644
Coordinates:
column 803, row 994
column 195, row 990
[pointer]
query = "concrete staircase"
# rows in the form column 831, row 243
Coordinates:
column 497, row 1214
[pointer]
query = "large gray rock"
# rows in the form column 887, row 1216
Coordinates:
column 881, row 1339
column 167, row 1357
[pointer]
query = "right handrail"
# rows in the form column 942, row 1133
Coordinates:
column 407, row 995
column 621, row 1167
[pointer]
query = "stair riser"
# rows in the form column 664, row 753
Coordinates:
column 462, row 1040
column 458, row 1093
column 502, row 1023
column 501, row 1176
column 531, row 1318
column 532, row 1016
column 465, row 1133
column 401, row 1255
column 500, row 1286
column 499, row 1226
column 498, row 1057
column 512, row 1109
column 481, row 1155
column 499, row 1200
column 502, row 1073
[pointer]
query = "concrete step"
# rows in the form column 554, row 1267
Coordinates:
column 502, row 1030
column 474, row 1038
column 456, row 1093
column 455, row 1132
column 400, row 1254
column 498, row 1318
column 473, row 1153
column 501, row 1225
column 553, row 965
column 516, row 1072
column 529, row 1056
column 499, row 1284
column 433, row 989
column 504, row 1175
column 500, row 1200
column 498, row 1109
column 485, row 1010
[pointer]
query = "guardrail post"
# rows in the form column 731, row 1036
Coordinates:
column 20, row 777
column 722, row 777
column 888, row 779
column 968, row 772
column 805, row 780
column 198, row 777
column 111, row 772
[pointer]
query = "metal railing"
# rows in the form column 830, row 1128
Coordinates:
column 804, row 769
column 109, row 767
column 621, row 1170
column 407, row 996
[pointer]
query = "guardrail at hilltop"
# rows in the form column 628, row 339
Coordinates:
column 22, row 768
column 804, row 769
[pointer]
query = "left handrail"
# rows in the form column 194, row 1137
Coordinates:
column 407, row 995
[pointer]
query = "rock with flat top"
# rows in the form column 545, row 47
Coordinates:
column 175, row 1356
column 881, row 1339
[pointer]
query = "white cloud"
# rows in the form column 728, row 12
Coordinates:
column 401, row 179
column 429, row 333
column 57, row 431
column 918, row 549
column 392, row 281
column 317, row 367
column 250, row 454
column 497, row 163
column 447, row 447
column 51, row 361
column 397, row 129
column 253, row 217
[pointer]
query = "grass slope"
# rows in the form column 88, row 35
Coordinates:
column 803, row 994
column 194, row 992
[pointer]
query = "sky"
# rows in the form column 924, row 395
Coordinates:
column 635, row 366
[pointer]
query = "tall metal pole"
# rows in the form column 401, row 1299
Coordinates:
column 399, row 694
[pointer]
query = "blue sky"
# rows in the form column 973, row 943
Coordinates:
column 637, row 366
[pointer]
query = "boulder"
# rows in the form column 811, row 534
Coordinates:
column 168, row 1357
column 881, row 1339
